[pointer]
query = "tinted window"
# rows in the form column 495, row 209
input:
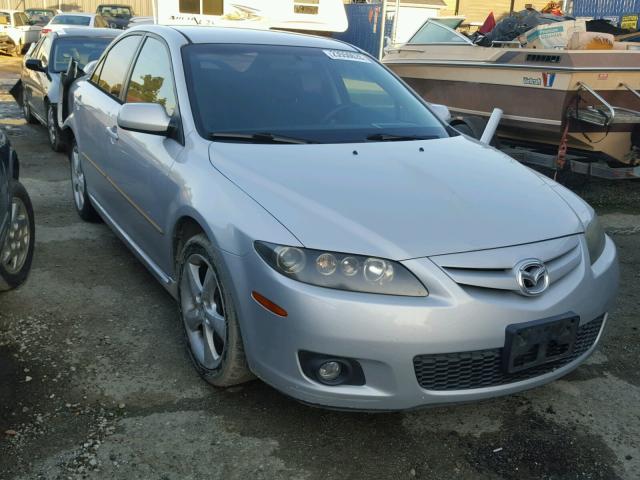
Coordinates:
column 116, row 64
column 78, row 20
column 152, row 80
column 319, row 95
column 189, row 6
column 5, row 19
column 82, row 50
column 113, row 11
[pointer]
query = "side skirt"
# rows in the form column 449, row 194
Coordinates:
column 165, row 280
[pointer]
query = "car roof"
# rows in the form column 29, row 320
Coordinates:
column 87, row 32
column 115, row 5
column 208, row 34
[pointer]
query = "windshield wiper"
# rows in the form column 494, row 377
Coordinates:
column 259, row 137
column 389, row 137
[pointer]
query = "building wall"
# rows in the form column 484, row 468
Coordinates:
column 140, row 7
column 478, row 10
column 410, row 19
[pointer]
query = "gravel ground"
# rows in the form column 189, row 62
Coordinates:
column 95, row 382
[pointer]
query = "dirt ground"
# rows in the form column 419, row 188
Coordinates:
column 95, row 382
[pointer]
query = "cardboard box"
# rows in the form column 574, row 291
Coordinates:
column 553, row 35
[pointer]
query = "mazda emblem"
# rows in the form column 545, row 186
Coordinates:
column 532, row 277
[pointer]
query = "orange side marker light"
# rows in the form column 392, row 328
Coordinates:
column 269, row 305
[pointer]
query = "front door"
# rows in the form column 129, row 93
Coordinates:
column 141, row 163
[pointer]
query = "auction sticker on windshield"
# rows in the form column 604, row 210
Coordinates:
column 344, row 55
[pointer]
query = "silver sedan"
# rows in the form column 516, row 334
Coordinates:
column 323, row 230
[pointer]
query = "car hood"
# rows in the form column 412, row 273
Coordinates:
column 398, row 200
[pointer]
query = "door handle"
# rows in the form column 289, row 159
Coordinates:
column 113, row 133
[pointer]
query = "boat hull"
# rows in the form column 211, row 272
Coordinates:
column 535, row 98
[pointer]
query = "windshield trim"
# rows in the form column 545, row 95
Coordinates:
column 205, row 134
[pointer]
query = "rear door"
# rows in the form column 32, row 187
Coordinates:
column 96, row 106
column 140, row 163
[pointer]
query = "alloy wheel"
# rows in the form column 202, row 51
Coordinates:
column 77, row 179
column 15, row 250
column 203, row 311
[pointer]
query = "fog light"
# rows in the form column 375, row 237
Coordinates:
column 329, row 371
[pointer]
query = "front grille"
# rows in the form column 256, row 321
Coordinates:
column 483, row 368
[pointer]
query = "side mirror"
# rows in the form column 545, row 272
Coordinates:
column 144, row 118
column 35, row 65
column 90, row 67
column 441, row 111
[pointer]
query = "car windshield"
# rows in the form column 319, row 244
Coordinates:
column 40, row 13
column 71, row 20
column 310, row 94
column 116, row 12
column 433, row 32
column 83, row 50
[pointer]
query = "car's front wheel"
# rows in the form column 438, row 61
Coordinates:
column 81, row 199
column 55, row 134
column 16, row 252
column 209, row 316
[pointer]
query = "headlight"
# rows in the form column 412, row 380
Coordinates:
column 596, row 239
column 342, row 271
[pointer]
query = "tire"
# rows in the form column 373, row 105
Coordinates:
column 209, row 317
column 56, row 137
column 81, row 200
column 26, row 109
column 16, row 252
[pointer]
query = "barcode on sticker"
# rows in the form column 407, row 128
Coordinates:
column 345, row 55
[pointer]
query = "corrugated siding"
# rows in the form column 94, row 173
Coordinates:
column 478, row 10
column 140, row 7
column 605, row 8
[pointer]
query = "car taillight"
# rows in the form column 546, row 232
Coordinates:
column 44, row 31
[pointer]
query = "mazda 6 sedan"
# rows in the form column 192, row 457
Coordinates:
column 323, row 230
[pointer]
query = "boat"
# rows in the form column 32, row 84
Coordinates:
column 585, row 100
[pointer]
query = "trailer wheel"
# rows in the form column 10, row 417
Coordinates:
column 473, row 127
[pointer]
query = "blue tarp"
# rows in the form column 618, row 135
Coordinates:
column 610, row 9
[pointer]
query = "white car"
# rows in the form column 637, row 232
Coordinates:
column 67, row 20
column 16, row 32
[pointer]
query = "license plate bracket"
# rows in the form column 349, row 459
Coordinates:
column 535, row 343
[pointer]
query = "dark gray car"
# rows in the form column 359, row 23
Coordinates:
column 43, row 66
column 117, row 16
column 17, row 228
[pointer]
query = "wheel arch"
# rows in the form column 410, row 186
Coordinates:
column 186, row 227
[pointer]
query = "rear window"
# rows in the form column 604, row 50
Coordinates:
column 71, row 20
column 116, row 12
column 82, row 50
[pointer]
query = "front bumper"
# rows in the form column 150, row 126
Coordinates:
column 385, row 334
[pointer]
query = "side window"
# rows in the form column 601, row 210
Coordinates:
column 35, row 51
column 43, row 53
column 95, row 76
column 115, row 65
column 152, row 79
